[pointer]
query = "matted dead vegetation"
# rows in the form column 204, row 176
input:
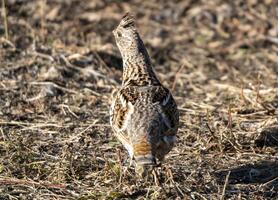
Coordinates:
column 59, row 64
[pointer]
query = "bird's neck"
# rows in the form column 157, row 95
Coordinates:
column 137, row 68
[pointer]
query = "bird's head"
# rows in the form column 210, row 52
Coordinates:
column 126, row 34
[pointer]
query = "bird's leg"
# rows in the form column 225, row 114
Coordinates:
column 128, row 163
column 125, row 167
column 131, row 162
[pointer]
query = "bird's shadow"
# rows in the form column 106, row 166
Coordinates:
column 264, row 172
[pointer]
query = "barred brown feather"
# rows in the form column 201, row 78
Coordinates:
column 144, row 115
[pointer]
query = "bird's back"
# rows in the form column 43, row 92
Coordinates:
column 148, row 121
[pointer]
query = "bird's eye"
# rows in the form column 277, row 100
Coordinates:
column 119, row 34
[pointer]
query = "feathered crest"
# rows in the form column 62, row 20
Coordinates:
column 127, row 21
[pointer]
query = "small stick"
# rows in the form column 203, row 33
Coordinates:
column 156, row 179
column 225, row 185
column 242, row 94
column 230, row 119
column 119, row 158
column 271, row 181
column 42, row 5
column 208, row 121
column 5, row 20
column 258, row 88
column 176, row 77
column 171, row 178
column 13, row 181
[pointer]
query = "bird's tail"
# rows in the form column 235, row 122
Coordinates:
column 143, row 154
column 144, row 158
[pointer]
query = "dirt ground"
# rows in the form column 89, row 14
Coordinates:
column 59, row 64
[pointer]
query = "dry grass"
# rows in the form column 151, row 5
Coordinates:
column 60, row 64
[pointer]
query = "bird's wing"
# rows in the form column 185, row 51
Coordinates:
column 122, row 109
column 120, row 117
column 168, row 110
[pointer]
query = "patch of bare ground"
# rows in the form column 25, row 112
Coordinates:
column 59, row 64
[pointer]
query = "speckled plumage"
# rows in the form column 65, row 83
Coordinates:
column 144, row 115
